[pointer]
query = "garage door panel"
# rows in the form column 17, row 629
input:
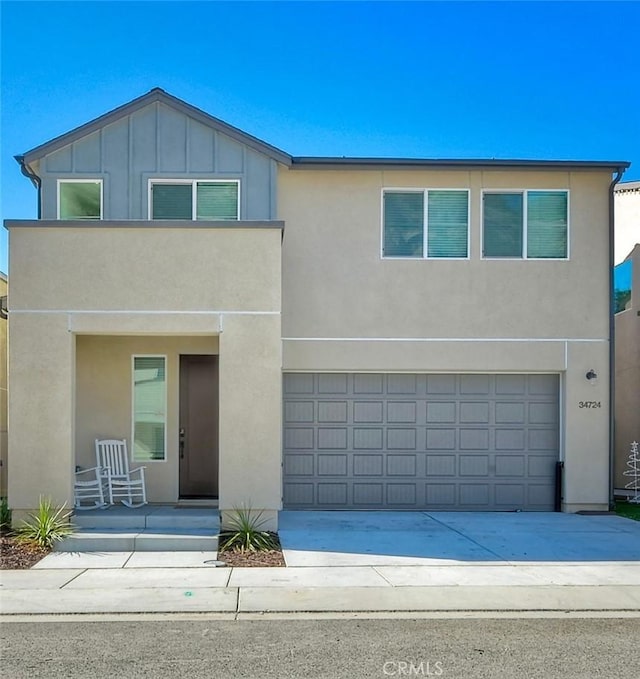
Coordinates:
column 368, row 412
column 299, row 494
column 298, row 384
column 441, row 496
column 474, row 465
column 511, row 384
column 441, row 465
column 510, row 413
column 510, row 465
column 401, row 439
column 332, row 383
column 299, row 412
column 368, row 439
column 474, row 439
column 510, row 439
column 368, row 384
column 332, row 411
column 368, row 465
column 401, row 412
column 440, row 439
column 299, row 465
column 298, row 437
column 508, row 496
column 410, row 441
column 368, row 494
column 402, row 465
column 332, row 494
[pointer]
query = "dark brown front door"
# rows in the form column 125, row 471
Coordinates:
column 198, row 426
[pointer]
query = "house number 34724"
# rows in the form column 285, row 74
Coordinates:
column 589, row 404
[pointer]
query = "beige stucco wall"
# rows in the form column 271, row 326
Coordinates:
column 125, row 290
column 627, row 403
column 150, row 269
column 357, row 311
column 355, row 293
column 4, row 468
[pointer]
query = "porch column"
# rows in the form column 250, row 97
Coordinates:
column 586, row 466
column 250, row 423
column 41, row 410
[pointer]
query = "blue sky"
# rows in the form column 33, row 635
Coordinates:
column 419, row 79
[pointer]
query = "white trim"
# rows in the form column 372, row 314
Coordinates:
column 425, row 223
column 213, row 312
column 562, row 434
column 386, row 371
column 84, row 180
column 441, row 339
column 194, row 181
column 166, row 404
column 524, row 257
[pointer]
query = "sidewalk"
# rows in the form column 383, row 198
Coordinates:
column 361, row 562
column 136, row 588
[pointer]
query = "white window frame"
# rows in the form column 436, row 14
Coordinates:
column 425, row 223
column 194, row 193
column 133, row 403
column 525, row 257
column 84, row 180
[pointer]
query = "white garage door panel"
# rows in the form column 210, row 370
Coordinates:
column 420, row 441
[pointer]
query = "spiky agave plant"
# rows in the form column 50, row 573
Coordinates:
column 46, row 526
column 244, row 532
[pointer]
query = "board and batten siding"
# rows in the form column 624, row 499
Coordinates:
column 158, row 142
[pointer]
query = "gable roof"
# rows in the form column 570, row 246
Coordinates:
column 156, row 94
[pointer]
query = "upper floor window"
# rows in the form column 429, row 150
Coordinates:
column 525, row 224
column 79, row 199
column 194, row 199
column 425, row 223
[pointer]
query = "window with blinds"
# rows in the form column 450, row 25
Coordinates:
column 206, row 199
column 526, row 224
column 426, row 223
column 149, row 408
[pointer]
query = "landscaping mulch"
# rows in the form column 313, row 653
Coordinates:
column 268, row 558
column 19, row 555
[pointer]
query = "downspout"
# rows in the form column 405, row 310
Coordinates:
column 612, row 329
column 35, row 180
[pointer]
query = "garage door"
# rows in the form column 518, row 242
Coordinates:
column 405, row 441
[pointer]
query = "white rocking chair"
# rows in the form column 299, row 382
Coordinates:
column 112, row 458
column 89, row 486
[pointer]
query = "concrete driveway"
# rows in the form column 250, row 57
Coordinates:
column 370, row 538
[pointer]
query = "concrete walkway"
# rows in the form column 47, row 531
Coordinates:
column 497, row 562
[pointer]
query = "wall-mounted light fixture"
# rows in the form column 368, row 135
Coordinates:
column 592, row 376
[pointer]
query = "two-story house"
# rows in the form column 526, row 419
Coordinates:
column 323, row 333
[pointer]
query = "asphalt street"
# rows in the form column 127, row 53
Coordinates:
column 324, row 648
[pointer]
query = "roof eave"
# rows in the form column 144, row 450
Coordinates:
column 310, row 162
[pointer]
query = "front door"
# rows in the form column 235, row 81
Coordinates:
column 198, row 426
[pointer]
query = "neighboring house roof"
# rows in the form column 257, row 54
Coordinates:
column 3, row 276
column 625, row 187
column 301, row 162
column 156, row 94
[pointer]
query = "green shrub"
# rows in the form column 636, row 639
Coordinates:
column 46, row 526
column 5, row 514
column 244, row 532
